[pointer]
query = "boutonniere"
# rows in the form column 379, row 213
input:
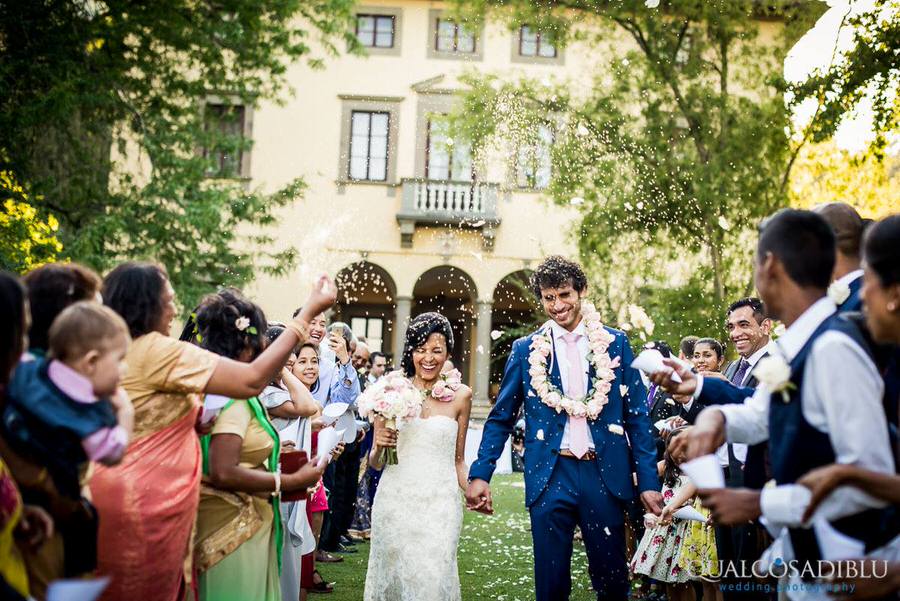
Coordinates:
column 838, row 292
column 774, row 374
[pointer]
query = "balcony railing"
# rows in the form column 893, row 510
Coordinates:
column 444, row 202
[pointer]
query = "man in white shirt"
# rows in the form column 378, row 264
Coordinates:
column 819, row 402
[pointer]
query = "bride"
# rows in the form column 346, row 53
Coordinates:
column 417, row 511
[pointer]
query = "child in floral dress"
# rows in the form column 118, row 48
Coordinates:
column 657, row 555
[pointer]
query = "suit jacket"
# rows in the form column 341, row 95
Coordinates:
column 625, row 411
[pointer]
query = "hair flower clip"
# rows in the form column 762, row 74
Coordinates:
column 242, row 323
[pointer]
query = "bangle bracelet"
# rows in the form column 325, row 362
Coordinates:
column 277, row 491
column 300, row 328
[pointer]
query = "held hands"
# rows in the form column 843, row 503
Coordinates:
column 478, row 497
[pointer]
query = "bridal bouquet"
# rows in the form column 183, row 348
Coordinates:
column 394, row 398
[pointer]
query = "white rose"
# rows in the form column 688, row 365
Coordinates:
column 838, row 292
column 774, row 374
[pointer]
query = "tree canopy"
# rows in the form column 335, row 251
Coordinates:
column 867, row 72
column 106, row 119
column 671, row 156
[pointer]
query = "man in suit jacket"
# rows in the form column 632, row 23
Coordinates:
column 578, row 471
column 848, row 228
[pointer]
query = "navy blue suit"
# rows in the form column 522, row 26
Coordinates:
column 563, row 492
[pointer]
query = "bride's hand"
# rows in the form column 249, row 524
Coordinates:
column 384, row 437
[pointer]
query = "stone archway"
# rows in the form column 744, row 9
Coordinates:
column 451, row 292
column 367, row 301
column 514, row 313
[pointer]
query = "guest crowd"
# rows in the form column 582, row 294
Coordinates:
column 161, row 462
column 187, row 467
column 803, row 424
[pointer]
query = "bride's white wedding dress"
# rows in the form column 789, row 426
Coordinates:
column 416, row 518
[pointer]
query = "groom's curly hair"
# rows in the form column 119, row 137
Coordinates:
column 556, row 271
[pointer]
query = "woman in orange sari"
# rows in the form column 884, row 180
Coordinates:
column 148, row 503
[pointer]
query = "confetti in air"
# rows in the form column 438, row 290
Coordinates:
column 723, row 223
column 496, row 334
column 651, row 3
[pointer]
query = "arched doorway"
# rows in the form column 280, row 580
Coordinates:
column 366, row 301
column 451, row 292
column 515, row 313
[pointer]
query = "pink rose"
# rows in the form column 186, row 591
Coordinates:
column 454, row 379
column 442, row 392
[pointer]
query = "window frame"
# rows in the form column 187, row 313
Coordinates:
column 538, row 35
column 369, row 138
column 369, row 104
column 376, row 18
column 518, row 169
column 381, row 11
column 435, row 17
column 516, row 55
column 242, row 160
column 451, row 158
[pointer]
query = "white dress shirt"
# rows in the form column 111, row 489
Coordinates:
column 561, row 357
column 753, row 359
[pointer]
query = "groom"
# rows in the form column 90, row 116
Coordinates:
column 578, row 471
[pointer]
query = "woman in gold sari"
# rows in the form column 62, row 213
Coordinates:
column 239, row 529
column 148, row 503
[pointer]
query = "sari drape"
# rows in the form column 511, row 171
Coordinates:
column 148, row 505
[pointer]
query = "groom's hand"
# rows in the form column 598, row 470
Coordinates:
column 652, row 501
column 478, row 496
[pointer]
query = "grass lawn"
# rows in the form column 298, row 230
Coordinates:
column 495, row 560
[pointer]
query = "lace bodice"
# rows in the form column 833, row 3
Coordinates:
column 416, row 518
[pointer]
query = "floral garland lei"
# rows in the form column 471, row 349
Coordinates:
column 599, row 340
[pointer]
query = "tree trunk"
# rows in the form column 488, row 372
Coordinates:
column 715, row 255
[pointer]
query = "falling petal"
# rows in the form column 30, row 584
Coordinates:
column 495, row 334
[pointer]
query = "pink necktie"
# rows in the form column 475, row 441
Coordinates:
column 578, row 428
